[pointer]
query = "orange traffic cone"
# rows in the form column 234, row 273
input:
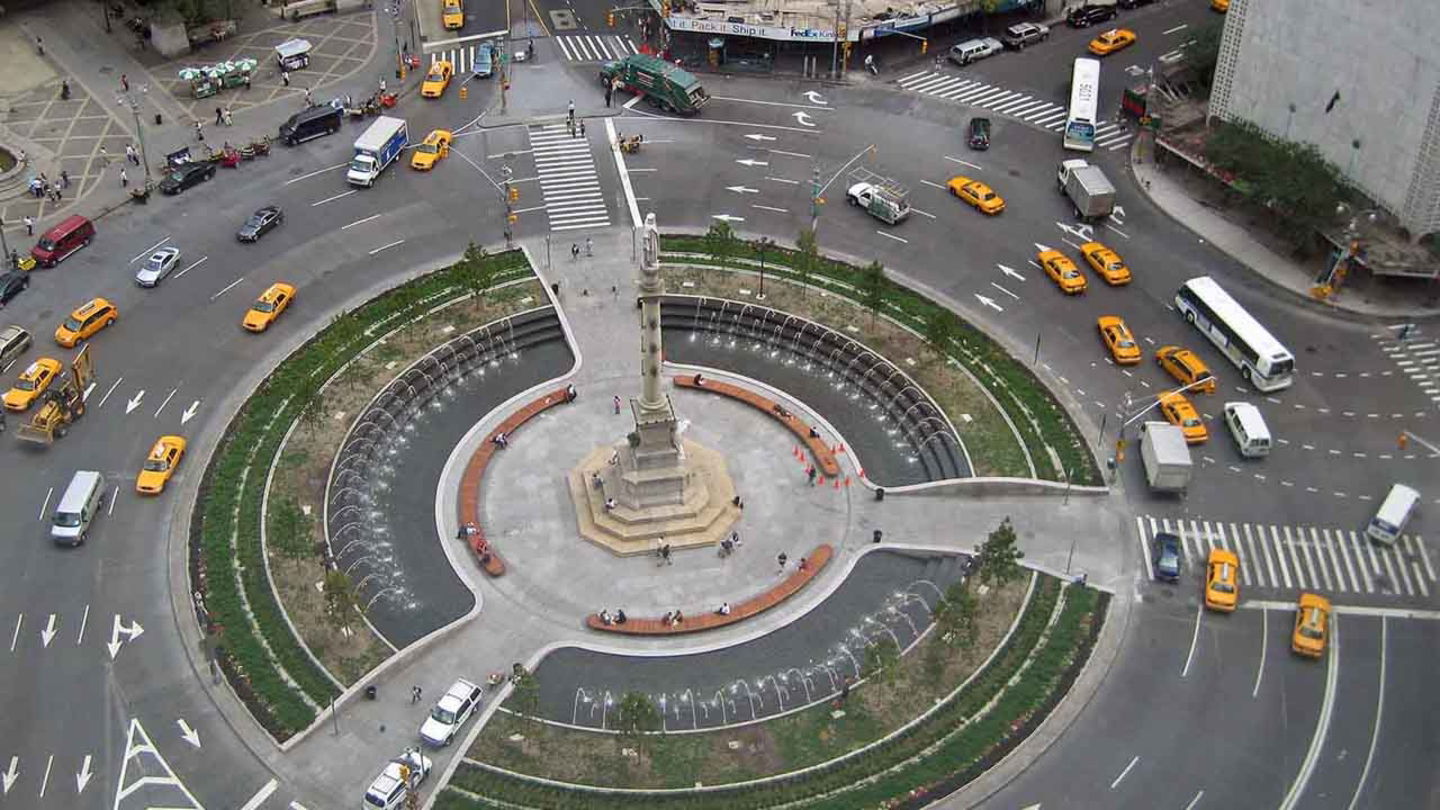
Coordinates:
column 820, row 480
column 847, row 482
column 837, row 482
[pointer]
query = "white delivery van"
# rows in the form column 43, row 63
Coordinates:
column 1248, row 427
column 1394, row 513
column 78, row 508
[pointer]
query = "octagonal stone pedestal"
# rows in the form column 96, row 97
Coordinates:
column 702, row 517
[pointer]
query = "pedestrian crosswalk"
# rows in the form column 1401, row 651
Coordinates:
column 463, row 58
column 1332, row 561
column 569, row 184
column 1012, row 104
column 595, row 47
column 1417, row 359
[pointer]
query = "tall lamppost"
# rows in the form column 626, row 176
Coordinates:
column 763, row 244
column 129, row 100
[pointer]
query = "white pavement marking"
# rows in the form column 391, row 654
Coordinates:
column 1177, row 28
column 1351, row 541
column 44, row 507
column 963, row 163
column 370, row 218
column 113, row 386
column 149, row 250
column 396, row 243
column 170, row 396
column 1123, row 773
column 1195, row 801
column 771, row 208
column 1345, row 554
column 1320, row 551
column 1140, row 536
column 45, row 782
column 192, row 266
column 228, row 288
column 1194, row 637
column 85, row 617
column 1379, row 715
column 114, row 496
column 1327, row 708
column 1264, row 643
column 634, row 207
column 333, row 199
column 260, row 796
column 1424, row 557
column 19, row 620
column 1281, row 548
column 892, row 236
column 1404, row 572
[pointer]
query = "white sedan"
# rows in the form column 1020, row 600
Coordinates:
column 158, row 266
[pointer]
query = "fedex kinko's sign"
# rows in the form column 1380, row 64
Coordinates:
column 756, row 31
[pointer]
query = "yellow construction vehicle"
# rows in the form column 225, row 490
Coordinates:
column 61, row 405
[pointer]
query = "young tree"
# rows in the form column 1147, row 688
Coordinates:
column 720, row 243
column 872, row 289
column 999, row 556
column 289, row 530
column 340, row 598
column 808, row 259
column 637, row 715
column 477, row 272
column 882, row 660
column 955, row 617
column 940, row 330
column 1204, row 52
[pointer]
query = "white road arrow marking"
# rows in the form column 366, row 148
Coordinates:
column 803, row 118
column 1082, row 232
column 8, row 779
column 751, row 162
column 132, row 632
column 190, row 412
column 191, row 735
column 83, row 777
column 1119, row 211
column 1015, row 274
column 758, row 137
column 727, row 218
column 814, row 97
column 49, row 632
column 1042, row 248
column 989, row 302
column 135, row 401
column 742, row 190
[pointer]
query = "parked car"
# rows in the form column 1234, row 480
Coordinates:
column 1089, row 15
column 455, row 707
column 14, row 340
column 158, row 266
column 1021, row 34
column 979, row 133
column 401, row 776
column 973, row 49
column 260, row 223
column 12, row 284
column 191, row 174
column 1165, row 554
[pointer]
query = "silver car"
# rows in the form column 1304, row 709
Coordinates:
column 13, row 342
column 158, row 266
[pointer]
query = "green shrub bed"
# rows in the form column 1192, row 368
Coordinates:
column 935, row 756
column 1036, row 415
column 265, row 663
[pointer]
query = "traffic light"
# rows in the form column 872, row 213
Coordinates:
column 513, row 194
column 610, row 18
column 924, row 46
column 512, row 218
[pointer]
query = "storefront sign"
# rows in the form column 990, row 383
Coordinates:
column 753, row 31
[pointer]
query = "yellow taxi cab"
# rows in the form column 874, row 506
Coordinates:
column 437, row 79
column 977, row 194
column 1221, row 6
column 1118, row 340
column 268, row 306
column 1222, row 586
column 1185, row 367
column 96, row 314
column 1180, row 413
column 1312, row 625
column 452, row 14
column 160, row 465
column 32, row 383
column 435, row 146
column 1111, row 41
column 1062, row 271
column 1106, row 262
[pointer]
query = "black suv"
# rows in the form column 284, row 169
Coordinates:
column 1017, row 36
column 186, row 176
column 1089, row 15
column 979, row 134
column 12, row 284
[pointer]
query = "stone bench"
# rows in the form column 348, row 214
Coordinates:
column 709, row 619
column 475, row 470
column 824, row 457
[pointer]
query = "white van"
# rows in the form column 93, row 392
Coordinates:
column 78, row 508
column 1248, row 427
column 1393, row 514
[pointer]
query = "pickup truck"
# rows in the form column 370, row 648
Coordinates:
column 1089, row 190
column 881, row 203
column 376, row 149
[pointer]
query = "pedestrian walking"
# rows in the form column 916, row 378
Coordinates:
column 40, row 46
column 665, row 552
column 782, row 559
column 229, row 119
column 415, row 694
column 124, row 83
column 574, row 251
column 124, row 178
column 104, row 155
column 200, row 130
column 247, row 81
column 130, row 152
column 285, row 77
column 810, row 472
column 589, row 246
column 64, row 89
column 608, row 94
column 617, row 404
column 64, row 179
column 29, row 225
column 570, row 126
column 55, row 192
column 382, row 84
column 309, row 100
column 582, row 127
column 571, row 111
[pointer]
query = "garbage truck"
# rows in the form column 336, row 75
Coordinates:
column 376, row 149
column 1089, row 190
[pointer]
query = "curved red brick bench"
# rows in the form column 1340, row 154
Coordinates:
column 824, row 457
column 475, row 470
column 709, row 619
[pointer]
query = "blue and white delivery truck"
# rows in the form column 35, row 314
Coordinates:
column 376, row 149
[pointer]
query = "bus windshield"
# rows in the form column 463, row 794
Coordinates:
column 1084, row 99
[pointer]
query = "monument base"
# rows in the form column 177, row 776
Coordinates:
column 702, row 517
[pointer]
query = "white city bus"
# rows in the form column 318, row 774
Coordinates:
column 1084, row 99
column 1262, row 360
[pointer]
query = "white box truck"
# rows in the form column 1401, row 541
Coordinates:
column 1166, row 457
column 376, row 149
column 1090, row 191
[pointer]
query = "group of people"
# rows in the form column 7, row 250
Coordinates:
column 672, row 618
column 607, row 619
column 42, row 187
column 729, row 544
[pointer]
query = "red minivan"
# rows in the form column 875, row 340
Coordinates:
column 73, row 233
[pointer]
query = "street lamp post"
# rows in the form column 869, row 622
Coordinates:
column 130, row 101
column 763, row 244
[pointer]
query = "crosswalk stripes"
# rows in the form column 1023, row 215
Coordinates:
column 1303, row 557
column 1417, row 359
column 595, row 47
column 1009, row 103
column 569, row 184
column 463, row 58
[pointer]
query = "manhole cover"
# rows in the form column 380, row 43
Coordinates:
column 562, row 20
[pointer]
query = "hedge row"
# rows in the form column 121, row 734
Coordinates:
column 230, row 497
column 1032, row 409
column 942, row 746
